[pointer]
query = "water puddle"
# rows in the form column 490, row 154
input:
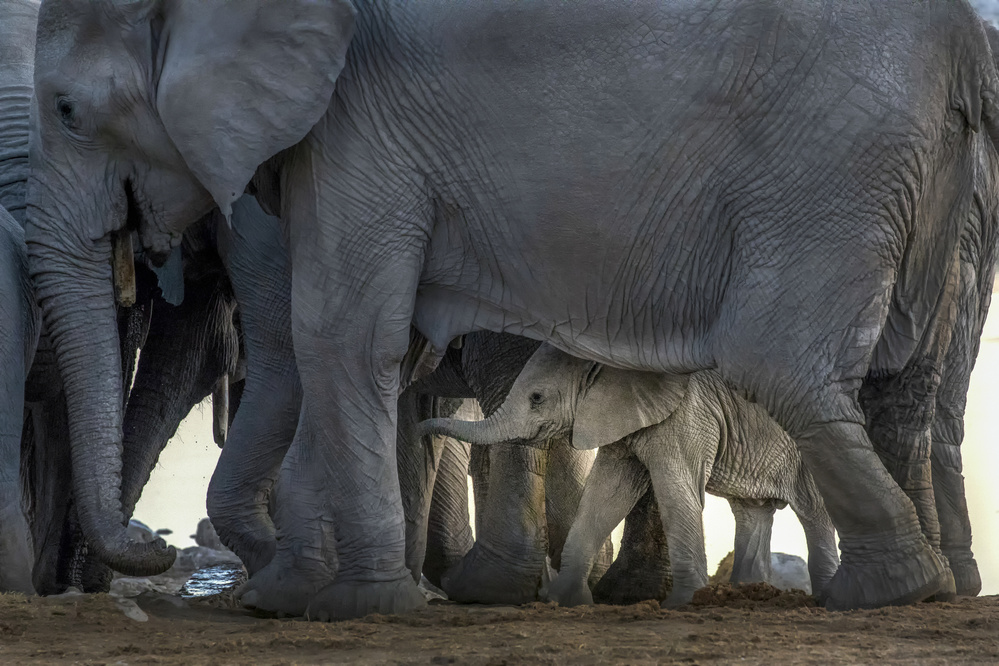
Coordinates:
column 213, row 580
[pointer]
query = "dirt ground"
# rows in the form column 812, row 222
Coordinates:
column 757, row 624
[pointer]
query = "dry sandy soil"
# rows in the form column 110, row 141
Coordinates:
column 757, row 624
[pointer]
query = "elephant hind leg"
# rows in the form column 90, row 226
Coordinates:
column 754, row 521
column 955, row 523
column 806, row 373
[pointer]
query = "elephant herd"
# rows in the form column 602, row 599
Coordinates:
column 743, row 247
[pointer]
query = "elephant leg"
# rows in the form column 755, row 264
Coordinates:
column 305, row 559
column 754, row 521
column 353, row 298
column 17, row 349
column 952, row 510
column 616, row 482
column 642, row 568
column 948, row 430
column 567, row 472
column 268, row 406
column 820, row 537
column 449, row 536
column 507, row 563
column 885, row 558
column 419, row 461
column 46, row 466
column 478, row 470
column 681, row 505
column 900, row 410
column 187, row 349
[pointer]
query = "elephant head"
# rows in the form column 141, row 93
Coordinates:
column 557, row 393
column 148, row 114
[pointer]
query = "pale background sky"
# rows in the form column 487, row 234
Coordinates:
column 175, row 496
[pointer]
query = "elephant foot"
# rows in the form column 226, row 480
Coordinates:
column 485, row 578
column 344, row 600
column 967, row 579
column 627, row 583
column 871, row 575
column 282, row 591
column 569, row 591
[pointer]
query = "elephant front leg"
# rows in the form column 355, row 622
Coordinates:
column 305, row 559
column 353, row 294
column 616, row 482
column 681, row 504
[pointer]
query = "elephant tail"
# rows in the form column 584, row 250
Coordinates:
column 989, row 86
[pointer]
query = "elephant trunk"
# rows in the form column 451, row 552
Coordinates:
column 188, row 348
column 74, row 291
column 493, row 430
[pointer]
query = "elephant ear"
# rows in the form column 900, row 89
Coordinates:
column 242, row 81
column 621, row 402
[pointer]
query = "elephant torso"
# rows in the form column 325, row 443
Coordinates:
column 709, row 128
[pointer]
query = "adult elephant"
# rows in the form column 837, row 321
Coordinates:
column 666, row 186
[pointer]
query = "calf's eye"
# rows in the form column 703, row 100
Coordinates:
column 537, row 398
column 67, row 111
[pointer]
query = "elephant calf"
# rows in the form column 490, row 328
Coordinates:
column 683, row 434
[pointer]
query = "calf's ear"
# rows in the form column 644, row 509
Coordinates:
column 621, row 402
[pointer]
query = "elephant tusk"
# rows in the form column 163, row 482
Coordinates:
column 220, row 411
column 123, row 267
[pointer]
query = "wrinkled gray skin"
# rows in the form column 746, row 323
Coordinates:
column 19, row 325
column 681, row 434
column 747, row 185
column 190, row 347
column 978, row 256
column 19, row 319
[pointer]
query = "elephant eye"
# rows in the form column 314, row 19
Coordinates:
column 536, row 399
column 67, row 111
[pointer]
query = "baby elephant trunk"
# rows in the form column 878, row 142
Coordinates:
column 493, row 430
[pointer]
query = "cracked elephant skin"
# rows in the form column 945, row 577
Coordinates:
column 19, row 325
column 735, row 180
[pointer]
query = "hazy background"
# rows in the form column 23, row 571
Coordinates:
column 175, row 496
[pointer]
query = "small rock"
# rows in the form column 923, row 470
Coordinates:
column 206, row 537
column 139, row 531
column 198, row 557
column 131, row 610
column 790, row 572
column 431, row 591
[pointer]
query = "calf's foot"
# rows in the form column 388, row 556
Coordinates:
column 569, row 591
